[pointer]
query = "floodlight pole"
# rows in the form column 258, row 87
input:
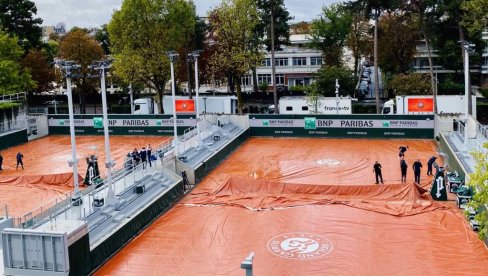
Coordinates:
column 468, row 48
column 131, row 93
column 337, row 95
column 195, row 56
column 173, row 56
column 108, row 162
column 74, row 162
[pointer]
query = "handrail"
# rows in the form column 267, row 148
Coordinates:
column 63, row 202
column 13, row 97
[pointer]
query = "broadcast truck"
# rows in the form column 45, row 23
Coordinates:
column 448, row 104
column 207, row 104
column 323, row 105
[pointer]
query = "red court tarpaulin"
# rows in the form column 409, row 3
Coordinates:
column 308, row 207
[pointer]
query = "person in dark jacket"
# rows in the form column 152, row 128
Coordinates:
column 429, row 165
column 149, row 153
column 417, row 166
column 136, row 157
column 403, row 168
column 402, row 150
column 377, row 172
column 143, row 155
column 19, row 160
column 1, row 162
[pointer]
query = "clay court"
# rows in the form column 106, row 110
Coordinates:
column 47, row 174
column 308, row 207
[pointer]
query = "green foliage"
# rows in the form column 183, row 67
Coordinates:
column 12, row 78
column 281, row 27
column 9, row 105
column 263, row 86
column 233, row 24
column 37, row 63
column 141, row 33
column 397, row 40
column 312, row 98
column 450, row 87
column 103, row 38
column 410, row 84
column 329, row 33
column 476, row 15
column 478, row 181
column 298, row 89
column 17, row 19
column 326, row 81
column 484, row 92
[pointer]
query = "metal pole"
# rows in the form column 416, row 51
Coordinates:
column 108, row 161
column 337, row 96
column 173, row 92
column 197, row 101
column 376, row 70
column 273, row 69
column 131, row 93
column 466, row 93
column 76, row 194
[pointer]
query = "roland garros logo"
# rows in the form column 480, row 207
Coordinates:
column 300, row 246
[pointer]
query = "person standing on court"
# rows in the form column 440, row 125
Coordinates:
column 377, row 172
column 417, row 166
column 149, row 152
column 403, row 168
column 19, row 161
column 429, row 165
column 1, row 162
column 143, row 155
column 402, row 150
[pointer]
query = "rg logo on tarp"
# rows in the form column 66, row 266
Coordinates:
column 300, row 246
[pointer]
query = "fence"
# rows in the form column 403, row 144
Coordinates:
column 13, row 97
column 11, row 125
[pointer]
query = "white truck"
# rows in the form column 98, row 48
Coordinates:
column 206, row 104
column 447, row 104
column 322, row 105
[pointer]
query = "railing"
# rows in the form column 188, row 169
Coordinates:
column 4, row 212
column 62, row 203
column 13, row 97
column 12, row 125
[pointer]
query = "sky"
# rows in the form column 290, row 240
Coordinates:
column 94, row 13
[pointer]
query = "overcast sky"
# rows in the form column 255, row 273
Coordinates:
column 93, row 13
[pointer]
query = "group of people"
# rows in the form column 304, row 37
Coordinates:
column 416, row 166
column 143, row 156
column 19, row 159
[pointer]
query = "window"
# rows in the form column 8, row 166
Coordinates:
column 289, row 108
column 281, row 61
column 299, row 61
column 304, row 108
column 316, row 61
column 280, row 79
column 264, row 78
column 246, row 80
column 266, row 62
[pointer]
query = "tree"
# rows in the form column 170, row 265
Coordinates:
column 326, row 81
column 141, row 33
column 397, row 42
column 478, row 182
column 359, row 39
column 410, row 84
column 42, row 73
column 103, row 38
column 329, row 33
column 17, row 18
column 276, row 9
column 233, row 25
column 377, row 6
column 476, row 15
column 12, row 78
column 83, row 49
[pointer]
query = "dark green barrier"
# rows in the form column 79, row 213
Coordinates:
column 13, row 138
column 121, row 124
column 79, row 257
column 343, row 126
column 219, row 157
column 119, row 239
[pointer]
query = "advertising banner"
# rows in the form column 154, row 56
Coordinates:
column 420, row 105
column 185, row 106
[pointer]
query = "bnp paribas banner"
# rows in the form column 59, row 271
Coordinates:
column 354, row 126
column 121, row 124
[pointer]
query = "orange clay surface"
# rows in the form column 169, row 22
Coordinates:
column 308, row 207
column 46, row 171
